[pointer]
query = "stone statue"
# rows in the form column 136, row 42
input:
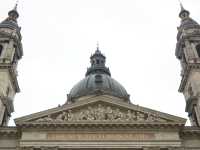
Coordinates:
column 60, row 117
column 130, row 116
column 150, row 117
column 90, row 113
column 118, row 115
column 109, row 113
column 100, row 113
column 70, row 116
column 81, row 116
column 139, row 116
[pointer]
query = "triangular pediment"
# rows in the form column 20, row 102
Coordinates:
column 100, row 109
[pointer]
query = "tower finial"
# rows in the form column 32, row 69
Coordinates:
column 182, row 8
column 183, row 13
column 97, row 45
column 16, row 4
column 13, row 14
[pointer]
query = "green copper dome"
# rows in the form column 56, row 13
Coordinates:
column 97, row 81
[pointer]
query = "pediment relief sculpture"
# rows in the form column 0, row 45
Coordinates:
column 102, row 113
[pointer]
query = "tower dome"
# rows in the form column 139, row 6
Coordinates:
column 11, row 20
column 97, row 81
column 189, row 26
column 9, row 28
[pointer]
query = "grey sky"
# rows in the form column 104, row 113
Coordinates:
column 138, row 38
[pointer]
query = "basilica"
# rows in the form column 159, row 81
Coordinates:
column 98, row 113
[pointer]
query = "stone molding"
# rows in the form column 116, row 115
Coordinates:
column 9, row 132
column 190, row 131
column 103, row 145
column 99, row 125
column 38, row 148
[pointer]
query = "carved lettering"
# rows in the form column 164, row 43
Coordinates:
column 100, row 136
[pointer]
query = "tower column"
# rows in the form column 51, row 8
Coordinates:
column 10, row 52
column 188, row 52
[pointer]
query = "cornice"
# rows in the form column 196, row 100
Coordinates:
column 8, row 132
column 100, row 125
column 194, row 64
column 190, row 131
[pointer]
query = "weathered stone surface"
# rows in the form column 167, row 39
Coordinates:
column 101, row 136
column 103, row 108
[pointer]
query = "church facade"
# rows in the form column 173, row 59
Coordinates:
column 98, row 113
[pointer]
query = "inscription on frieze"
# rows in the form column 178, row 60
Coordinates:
column 100, row 136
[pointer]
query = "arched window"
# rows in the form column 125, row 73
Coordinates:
column 198, row 49
column 97, row 61
column 7, row 91
column 1, row 49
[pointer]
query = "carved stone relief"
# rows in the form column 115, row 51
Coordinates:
column 102, row 113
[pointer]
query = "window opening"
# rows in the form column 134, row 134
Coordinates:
column 198, row 49
column 1, row 49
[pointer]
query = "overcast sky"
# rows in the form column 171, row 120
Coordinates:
column 138, row 38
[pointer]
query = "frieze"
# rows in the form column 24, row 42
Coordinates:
column 49, row 148
column 26, row 148
column 40, row 148
column 101, row 113
column 100, row 136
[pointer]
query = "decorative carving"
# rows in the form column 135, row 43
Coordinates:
column 139, row 116
column 46, row 119
column 102, row 113
column 101, row 136
column 152, row 117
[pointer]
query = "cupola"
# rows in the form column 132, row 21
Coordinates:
column 97, row 81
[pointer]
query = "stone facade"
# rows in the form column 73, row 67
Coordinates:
column 101, row 117
column 49, row 129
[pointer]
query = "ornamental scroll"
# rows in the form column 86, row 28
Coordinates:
column 102, row 113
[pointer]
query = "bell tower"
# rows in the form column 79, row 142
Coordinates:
column 10, row 52
column 188, row 52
